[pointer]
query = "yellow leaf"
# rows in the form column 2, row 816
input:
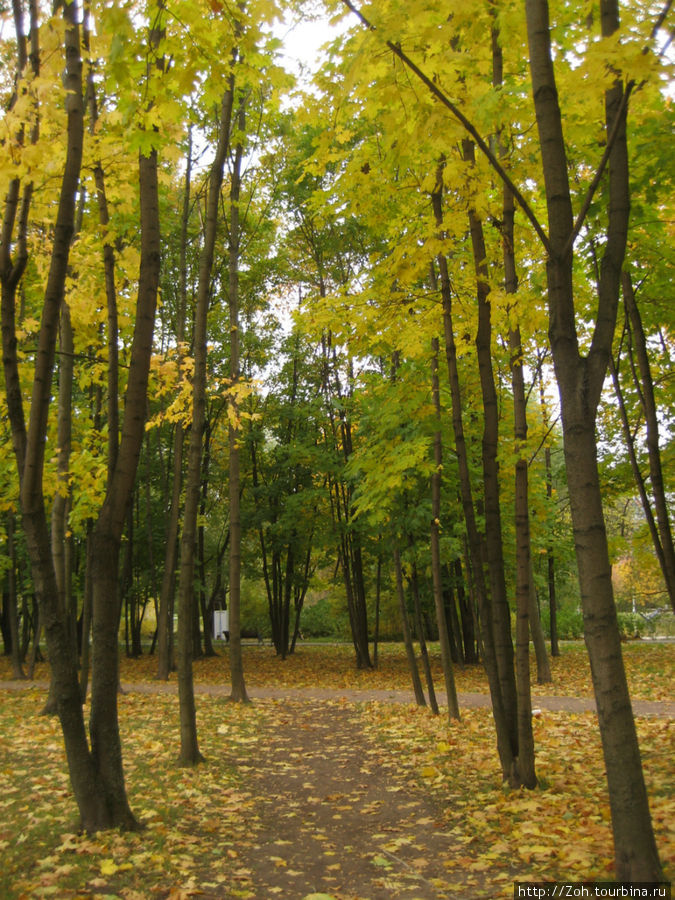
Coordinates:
column 108, row 867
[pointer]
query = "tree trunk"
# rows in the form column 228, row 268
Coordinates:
column 501, row 613
column 659, row 520
column 467, row 613
column 29, row 445
column 61, row 502
column 443, row 636
column 360, row 631
column 206, row 605
column 12, row 600
column 407, row 639
column 107, row 532
column 544, row 675
column 505, row 738
column 419, row 627
column 452, row 621
column 524, row 587
column 167, row 590
column 580, row 380
column 87, row 602
column 550, row 555
column 378, row 590
column 189, row 752
column 238, row 686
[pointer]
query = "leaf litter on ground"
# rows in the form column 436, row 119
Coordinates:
column 650, row 667
column 208, row 830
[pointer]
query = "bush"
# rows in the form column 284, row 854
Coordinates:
column 570, row 624
column 318, row 620
column 631, row 625
column 254, row 609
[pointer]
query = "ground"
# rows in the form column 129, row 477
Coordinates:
column 347, row 791
column 335, row 818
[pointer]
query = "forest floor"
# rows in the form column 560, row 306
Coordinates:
column 330, row 784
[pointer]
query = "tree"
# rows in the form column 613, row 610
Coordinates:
column 96, row 773
column 29, row 442
column 325, row 252
column 166, row 598
column 107, row 533
column 436, row 568
column 236, row 661
column 580, row 378
column 190, row 754
column 655, row 507
column 286, row 489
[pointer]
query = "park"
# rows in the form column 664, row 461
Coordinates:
column 337, row 422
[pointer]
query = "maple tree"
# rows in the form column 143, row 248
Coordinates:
column 403, row 206
column 189, row 750
column 635, row 852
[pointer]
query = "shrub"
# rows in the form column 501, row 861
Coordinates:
column 318, row 620
column 631, row 625
column 570, row 624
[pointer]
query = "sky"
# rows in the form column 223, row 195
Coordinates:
column 303, row 39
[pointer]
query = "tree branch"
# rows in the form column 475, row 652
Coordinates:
column 468, row 125
column 620, row 114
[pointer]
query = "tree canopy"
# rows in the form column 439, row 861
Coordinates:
column 392, row 343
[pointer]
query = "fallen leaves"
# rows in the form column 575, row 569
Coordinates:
column 559, row 831
column 650, row 667
column 194, row 821
column 203, row 825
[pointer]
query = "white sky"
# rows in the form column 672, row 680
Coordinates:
column 303, row 40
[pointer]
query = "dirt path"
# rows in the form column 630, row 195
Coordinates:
column 334, row 817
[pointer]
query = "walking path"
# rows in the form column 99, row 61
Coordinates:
column 335, row 816
column 564, row 704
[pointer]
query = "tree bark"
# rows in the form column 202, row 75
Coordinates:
column 419, row 628
column 524, row 586
column 662, row 534
column 107, row 533
column 29, row 444
column 167, row 590
column 550, row 554
column 467, row 612
column 501, row 614
column 407, row 639
column 61, row 503
column 238, row 685
column 505, row 740
column 580, row 380
column 12, row 600
column 443, row 636
column 205, row 603
column 87, row 603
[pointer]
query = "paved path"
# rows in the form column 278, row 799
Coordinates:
column 565, row 704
